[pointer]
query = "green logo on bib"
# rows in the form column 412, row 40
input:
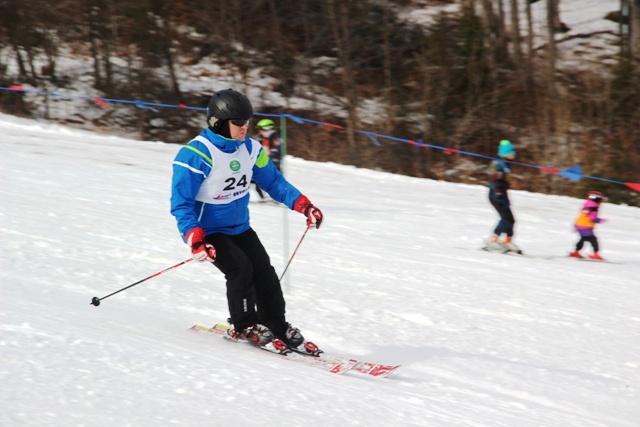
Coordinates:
column 235, row 165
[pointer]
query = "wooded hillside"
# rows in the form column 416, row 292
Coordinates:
column 465, row 80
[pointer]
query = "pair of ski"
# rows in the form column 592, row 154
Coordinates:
column 332, row 364
column 604, row 261
column 522, row 254
column 515, row 253
column 503, row 250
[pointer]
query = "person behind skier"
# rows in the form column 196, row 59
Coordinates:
column 499, row 199
column 585, row 225
column 210, row 199
column 270, row 139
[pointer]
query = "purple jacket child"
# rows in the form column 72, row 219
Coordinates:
column 586, row 223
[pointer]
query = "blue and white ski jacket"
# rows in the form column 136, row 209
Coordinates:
column 211, row 179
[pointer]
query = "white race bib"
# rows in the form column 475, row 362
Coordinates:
column 230, row 176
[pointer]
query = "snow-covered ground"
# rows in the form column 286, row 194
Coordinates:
column 394, row 275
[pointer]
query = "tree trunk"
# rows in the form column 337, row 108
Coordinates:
column 21, row 67
column 634, row 29
column 388, row 86
column 515, row 33
column 93, row 38
column 557, row 23
column 30, row 61
column 551, row 48
column 529, row 32
column 166, row 47
column 489, row 25
column 551, row 61
column 339, row 21
column 110, row 37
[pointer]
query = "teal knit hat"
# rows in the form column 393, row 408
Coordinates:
column 506, row 149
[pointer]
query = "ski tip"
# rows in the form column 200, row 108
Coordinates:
column 374, row 369
column 384, row 371
column 214, row 330
column 221, row 326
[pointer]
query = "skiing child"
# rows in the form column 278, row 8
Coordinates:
column 271, row 140
column 586, row 223
column 499, row 198
column 271, row 143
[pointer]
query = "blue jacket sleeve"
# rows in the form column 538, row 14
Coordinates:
column 191, row 166
column 269, row 178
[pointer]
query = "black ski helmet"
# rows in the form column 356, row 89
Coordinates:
column 227, row 104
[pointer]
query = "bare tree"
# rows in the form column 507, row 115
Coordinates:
column 530, row 52
column 20, row 34
column 515, row 33
column 630, row 28
column 164, row 29
column 100, row 16
column 635, row 31
column 387, row 73
column 551, row 60
column 340, row 27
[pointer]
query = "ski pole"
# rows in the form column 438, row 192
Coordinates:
column 295, row 250
column 96, row 301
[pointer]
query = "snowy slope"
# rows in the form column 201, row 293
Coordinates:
column 394, row 275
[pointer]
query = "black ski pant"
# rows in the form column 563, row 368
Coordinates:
column 251, row 281
column 591, row 239
column 505, row 225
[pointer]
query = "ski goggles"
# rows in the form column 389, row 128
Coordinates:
column 240, row 122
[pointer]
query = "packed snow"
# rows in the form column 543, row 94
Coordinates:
column 394, row 275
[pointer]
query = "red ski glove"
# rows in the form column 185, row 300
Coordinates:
column 313, row 214
column 200, row 250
